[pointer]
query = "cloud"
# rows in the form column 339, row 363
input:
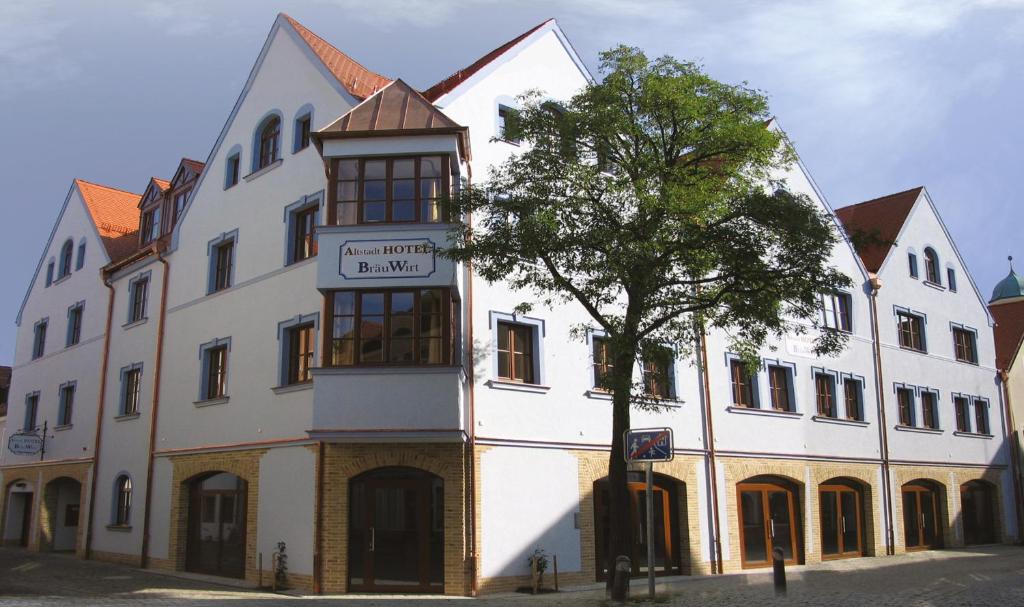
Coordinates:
column 30, row 55
column 183, row 18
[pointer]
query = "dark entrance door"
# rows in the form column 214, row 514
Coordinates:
column 840, row 521
column 396, row 532
column 978, row 507
column 26, row 518
column 666, row 561
column 216, row 525
column 920, row 517
column 767, row 521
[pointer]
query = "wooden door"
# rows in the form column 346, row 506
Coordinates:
column 840, row 521
column 767, row 516
column 920, row 518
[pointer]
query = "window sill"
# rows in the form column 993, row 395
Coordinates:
column 135, row 323
column 903, row 428
column 390, row 227
column 298, row 262
column 385, row 370
column 934, row 285
column 264, row 170
column 209, row 402
column 501, row 384
column 62, row 427
column 973, row 435
column 61, row 279
column 967, row 362
column 914, row 350
column 289, row 388
column 124, row 418
column 599, row 394
column 119, row 528
column 768, row 412
column 840, row 421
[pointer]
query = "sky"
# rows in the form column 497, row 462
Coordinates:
column 877, row 96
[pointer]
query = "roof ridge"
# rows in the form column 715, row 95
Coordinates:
column 106, row 187
column 880, row 198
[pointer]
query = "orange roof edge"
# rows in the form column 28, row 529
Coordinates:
column 115, row 214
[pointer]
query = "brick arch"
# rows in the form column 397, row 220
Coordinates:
column 49, row 513
column 992, row 479
column 870, row 514
column 944, row 499
column 6, row 497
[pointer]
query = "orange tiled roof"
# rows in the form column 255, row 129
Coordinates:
column 878, row 219
column 163, row 184
column 115, row 213
column 357, row 80
column 445, row 86
column 194, row 165
column 1009, row 331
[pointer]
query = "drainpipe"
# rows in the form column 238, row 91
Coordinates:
column 156, row 408
column 99, row 419
column 1012, row 436
column 716, row 564
column 471, row 378
column 883, row 436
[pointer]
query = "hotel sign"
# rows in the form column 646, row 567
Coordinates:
column 25, row 444
column 391, row 258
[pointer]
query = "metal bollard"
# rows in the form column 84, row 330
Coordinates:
column 779, row 571
column 620, row 583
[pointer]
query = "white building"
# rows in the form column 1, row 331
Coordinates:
column 270, row 351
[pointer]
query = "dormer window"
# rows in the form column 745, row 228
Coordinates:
column 150, row 229
column 179, row 206
column 270, row 143
column 931, row 267
column 390, row 190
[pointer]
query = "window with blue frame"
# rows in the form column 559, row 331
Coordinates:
column 780, row 388
column 75, row 313
column 221, row 254
column 66, row 252
column 951, row 279
column 912, row 261
column 131, row 389
column 213, row 355
column 39, row 338
column 744, row 385
column 303, row 125
column 853, row 397
column 66, row 403
column 80, row 262
column 49, row 273
column 31, row 412
column 825, row 394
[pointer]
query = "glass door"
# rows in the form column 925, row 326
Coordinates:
column 767, row 521
column 661, row 531
column 978, row 513
column 920, row 518
column 840, row 521
column 216, row 543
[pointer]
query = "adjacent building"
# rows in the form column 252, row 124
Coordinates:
column 265, row 347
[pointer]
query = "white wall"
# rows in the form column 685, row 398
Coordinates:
column 287, row 504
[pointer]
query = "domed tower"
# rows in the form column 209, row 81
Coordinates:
column 1008, row 289
column 1007, row 308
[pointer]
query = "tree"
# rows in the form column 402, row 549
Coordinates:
column 654, row 200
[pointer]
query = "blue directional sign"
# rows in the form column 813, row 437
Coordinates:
column 648, row 445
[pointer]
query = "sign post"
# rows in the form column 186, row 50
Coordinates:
column 649, row 445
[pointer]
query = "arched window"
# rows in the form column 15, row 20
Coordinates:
column 80, row 261
column 931, row 266
column 270, row 142
column 123, row 500
column 65, row 259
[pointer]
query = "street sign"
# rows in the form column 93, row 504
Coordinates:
column 23, row 443
column 649, row 445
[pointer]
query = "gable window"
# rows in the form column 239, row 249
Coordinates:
column 657, row 372
column 67, row 404
column 138, row 293
column 962, row 407
column 270, row 143
column 743, row 392
column 150, row 229
column 505, row 115
column 929, row 410
column 780, row 386
column 49, row 273
column 965, row 345
column 931, row 267
column 66, row 252
column 981, row 416
column 912, row 261
column 825, row 394
column 233, row 171
column 215, row 372
column 391, row 327
column 122, row 501
column 905, row 400
column 179, row 206
column 31, row 412
column 853, row 398
column 80, row 261
column 131, row 386
column 911, row 330
column 951, row 279
column 221, row 252
column 302, row 128
column 303, row 233
column 390, row 190
column 604, row 364
column 515, row 352
column 39, row 338
column 836, row 310
column 75, row 324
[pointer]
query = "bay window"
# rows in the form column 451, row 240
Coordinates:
column 390, row 190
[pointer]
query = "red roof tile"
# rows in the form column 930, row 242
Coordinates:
column 194, row 165
column 1008, row 332
column 357, row 80
column 163, row 184
column 874, row 225
column 115, row 213
column 448, row 84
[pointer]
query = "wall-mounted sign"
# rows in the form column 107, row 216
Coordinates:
column 801, row 345
column 23, row 443
column 393, row 258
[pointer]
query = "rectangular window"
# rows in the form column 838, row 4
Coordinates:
column 49, row 274
column 853, row 398
column 67, row 404
column 929, row 410
column 131, row 385
column 223, row 259
column 31, row 411
column 963, row 414
column 780, row 387
column 391, row 327
column 515, row 352
column 300, row 353
column 302, row 128
column 657, row 373
column 179, row 206
column 911, row 330
column 39, row 339
column 504, row 115
column 981, row 416
column 139, row 294
column 150, row 230
column 74, row 324
column 215, row 365
column 951, row 279
column 80, row 260
column 603, row 362
column 303, row 244
column 390, row 190
column 825, row 394
column 912, row 260
column 233, row 171
column 743, row 392
column 964, row 345
column 836, row 310
column 905, row 399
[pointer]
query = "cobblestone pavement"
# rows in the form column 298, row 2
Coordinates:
column 988, row 576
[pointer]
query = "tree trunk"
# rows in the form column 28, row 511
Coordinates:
column 620, row 528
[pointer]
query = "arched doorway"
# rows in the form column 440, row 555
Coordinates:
column 396, row 531
column 841, row 504
column 978, row 511
column 18, row 513
column 59, row 517
column 922, row 520
column 217, row 525
column 768, row 509
column 668, row 493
